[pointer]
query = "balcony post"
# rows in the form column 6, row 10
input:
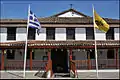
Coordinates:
column 31, row 59
column 2, row 62
column 89, row 64
column 49, row 55
column 70, row 54
column 116, row 60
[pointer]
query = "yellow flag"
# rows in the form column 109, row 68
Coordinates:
column 100, row 23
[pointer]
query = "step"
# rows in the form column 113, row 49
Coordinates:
column 40, row 74
column 61, row 74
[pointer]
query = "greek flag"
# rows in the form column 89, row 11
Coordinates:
column 33, row 22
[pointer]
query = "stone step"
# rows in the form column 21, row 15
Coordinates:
column 40, row 74
column 61, row 74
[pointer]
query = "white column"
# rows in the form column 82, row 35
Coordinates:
column 60, row 33
column 3, row 34
column 116, row 33
column 42, row 35
column 80, row 34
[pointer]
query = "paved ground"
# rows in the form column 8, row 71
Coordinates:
column 83, row 74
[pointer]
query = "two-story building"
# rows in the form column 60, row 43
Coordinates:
column 69, row 33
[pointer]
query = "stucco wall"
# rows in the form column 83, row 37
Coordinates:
column 117, row 33
column 100, row 35
column 3, row 34
column 60, row 33
column 20, row 34
column 42, row 35
column 80, row 34
column 70, row 14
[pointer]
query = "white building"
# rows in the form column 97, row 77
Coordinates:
column 69, row 33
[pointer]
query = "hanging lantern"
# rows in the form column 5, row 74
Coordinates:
column 55, row 49
column 78, row 49
column 0, row 51
column 10, row 51
column 90, row 50
column 32, row 50
column 61, row 49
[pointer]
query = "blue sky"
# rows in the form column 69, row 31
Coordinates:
column 19, row 9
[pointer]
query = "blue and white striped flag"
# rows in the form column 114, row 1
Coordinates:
column 33, row 22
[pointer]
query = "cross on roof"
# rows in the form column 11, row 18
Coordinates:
column 71, row 6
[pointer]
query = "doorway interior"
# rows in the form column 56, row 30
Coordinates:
column 59, row 59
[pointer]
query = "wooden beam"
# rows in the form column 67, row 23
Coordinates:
column 89, row 63
column 31, row 59
column 2, row 64
column 116, row 60
column 70, row 54
column 49, row 55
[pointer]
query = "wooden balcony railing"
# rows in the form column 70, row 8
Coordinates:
column 18, row 65
column 102, row 64
column 80, row 64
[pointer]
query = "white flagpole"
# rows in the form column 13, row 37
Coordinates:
column 95, row 44
column 26, row 42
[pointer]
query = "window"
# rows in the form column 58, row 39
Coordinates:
column 89, row 33
column 28, row 54
column 50, row 33
column 70, row 33
column 110, row 34
column 10, row 54
column 11, row 33
column 31, row 33
column 110, row 54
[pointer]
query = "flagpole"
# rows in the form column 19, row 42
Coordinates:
column 26, row 42
column 95, row 44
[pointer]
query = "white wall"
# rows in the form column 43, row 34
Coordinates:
column 60, row 34
column 42, row 35
column 3, row 34
column 80, row 34
column 69, row 14
column 100, row 35
column 20, row 34
column 116, row 33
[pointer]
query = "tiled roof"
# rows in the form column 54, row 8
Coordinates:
column 82, row 20
column 34, row 43
column 73, row 20
column 61, row 20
